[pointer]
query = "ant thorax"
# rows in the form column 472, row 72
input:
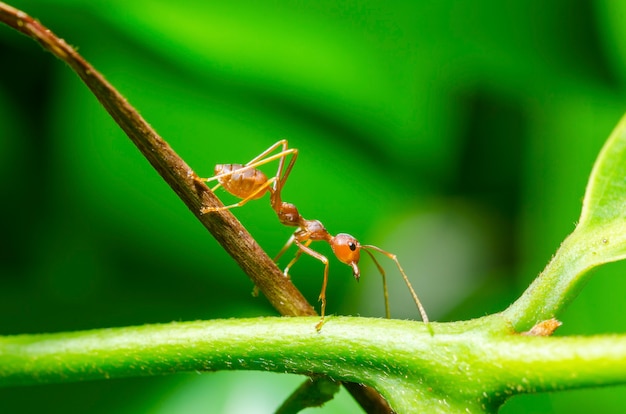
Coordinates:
column 313, row 230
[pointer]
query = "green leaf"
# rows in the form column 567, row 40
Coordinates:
column 605, row 198
column 599, row 238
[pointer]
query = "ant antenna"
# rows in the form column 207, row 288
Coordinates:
column 393, row 257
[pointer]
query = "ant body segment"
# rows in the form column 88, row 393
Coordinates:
column 246, row 182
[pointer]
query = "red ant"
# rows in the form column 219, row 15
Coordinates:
column 248, row 183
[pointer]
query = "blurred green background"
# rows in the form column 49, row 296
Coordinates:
column 458, row 135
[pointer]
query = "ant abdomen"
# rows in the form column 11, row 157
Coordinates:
column 243, row 183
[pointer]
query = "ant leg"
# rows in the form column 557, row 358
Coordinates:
column 292, row 262
column 218, row 185
column 255, row 291
column 280, row 177
column 304, row 248
column 240, row 203
column 285, row 247
column 281, row 143
column 282, row 155
column 291, row 241
column 282, row 174
column 322, row 298
column 296, row 257
column 404, row 276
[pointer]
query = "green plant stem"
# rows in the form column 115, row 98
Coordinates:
column 554, row 288
column 472, row 361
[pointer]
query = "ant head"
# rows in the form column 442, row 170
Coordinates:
column 348, row 251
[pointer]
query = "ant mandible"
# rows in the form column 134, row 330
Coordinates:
column 247, row 182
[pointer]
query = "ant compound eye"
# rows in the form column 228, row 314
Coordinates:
column 352, row 246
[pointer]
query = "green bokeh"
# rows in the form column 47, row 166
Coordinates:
column 458, row 135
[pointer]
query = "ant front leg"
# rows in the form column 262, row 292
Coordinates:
column 297, row 256
column 322, row 298
column 304, row 248
column 282, row 251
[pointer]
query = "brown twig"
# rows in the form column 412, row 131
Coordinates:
column 226, row 229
